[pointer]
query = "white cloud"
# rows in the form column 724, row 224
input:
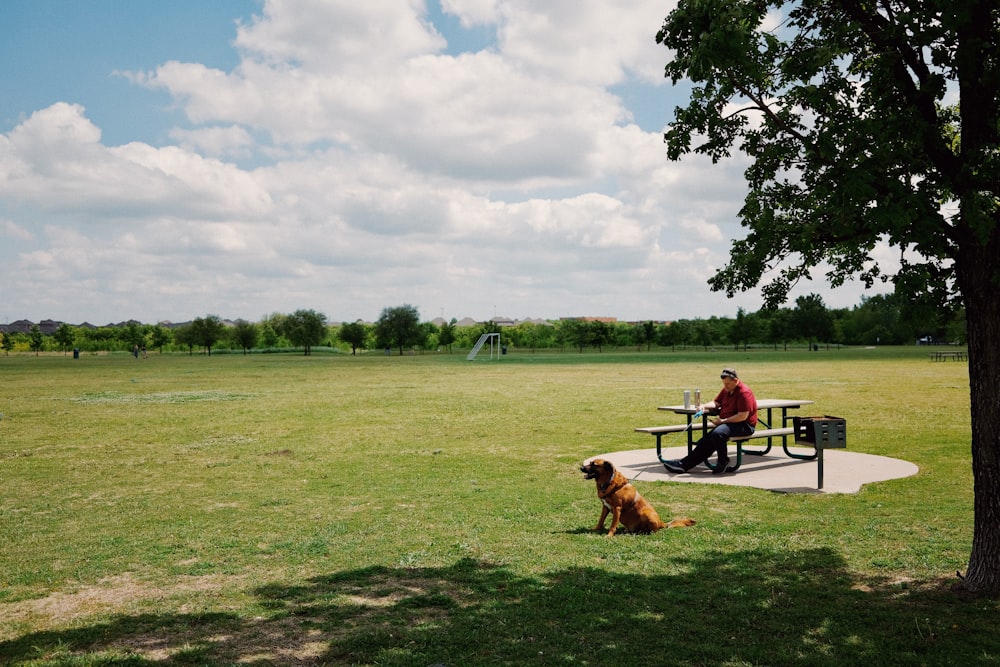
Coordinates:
column 349, row 162
column 12, row 230
column 219, row 142
column 595, row 41
column 55, row 161
column 472, row 12
column 318, row 36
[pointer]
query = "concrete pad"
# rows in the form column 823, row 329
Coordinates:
column 843, row 471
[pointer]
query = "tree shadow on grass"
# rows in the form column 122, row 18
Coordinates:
column 754, row 608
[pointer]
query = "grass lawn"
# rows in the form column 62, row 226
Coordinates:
column 428, row 510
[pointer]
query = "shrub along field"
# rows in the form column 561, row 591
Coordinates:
column 428, row 510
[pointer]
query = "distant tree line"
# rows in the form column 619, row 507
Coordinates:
column 878, row 320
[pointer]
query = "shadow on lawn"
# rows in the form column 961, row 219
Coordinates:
column 790, row 608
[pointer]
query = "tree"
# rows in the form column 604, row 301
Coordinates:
column 446, row 336
column 428, row 336
column 133, row 334
column 779, row 327
column 574, row 332
column 738, row 331
column 6, row 342
column 677, row 333
column 751, row 325
column 159, row 336
column 354, row 334
column 878, row 321
column 268, row 334
column 841, row 109
column 645, row 334
column 398, row 327
column 305, row 328
column 600, row 334
column 185, row 335
column 812, row 320
column 531, row 335
column 36, row 339
column 101, row 338
column 65, row 336
column 245, row 335
column 206, row 331
column 703, row 333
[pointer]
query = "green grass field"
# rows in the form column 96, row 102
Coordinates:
column 428, row 510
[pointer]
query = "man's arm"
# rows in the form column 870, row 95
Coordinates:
column 732, row 419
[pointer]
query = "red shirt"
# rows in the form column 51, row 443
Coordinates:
column 741, row 400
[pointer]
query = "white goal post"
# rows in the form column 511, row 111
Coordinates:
column 493, row 338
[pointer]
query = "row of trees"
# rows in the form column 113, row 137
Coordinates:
column 398, row 328
column 879, row 320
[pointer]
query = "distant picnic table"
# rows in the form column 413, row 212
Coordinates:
column 941, row 355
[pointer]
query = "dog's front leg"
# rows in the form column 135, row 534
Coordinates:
column 604, row 515
column 616, row 515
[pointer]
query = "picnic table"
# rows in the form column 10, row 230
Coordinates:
column 774, row 427
column 941, row 355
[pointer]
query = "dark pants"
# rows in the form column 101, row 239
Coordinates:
column 715, row 442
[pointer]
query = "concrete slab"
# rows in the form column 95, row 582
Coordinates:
column 843, row 471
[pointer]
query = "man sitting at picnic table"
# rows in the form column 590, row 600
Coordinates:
column 737, row 416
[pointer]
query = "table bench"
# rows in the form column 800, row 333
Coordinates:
column 818, row 432
column 770, row 426
column 769, row 433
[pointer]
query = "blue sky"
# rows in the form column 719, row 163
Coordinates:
column 67, row 50
column 162, row 161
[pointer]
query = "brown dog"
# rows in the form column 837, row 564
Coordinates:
column 620, row 499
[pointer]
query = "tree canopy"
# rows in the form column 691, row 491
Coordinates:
column 399, row 327
column 867, row 125
column 305, row 329
column 65, row 336
column 205, row 331
column 245, row 334
column 354, row 334
column 36, row 339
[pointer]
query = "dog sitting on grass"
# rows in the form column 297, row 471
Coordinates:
column 621, row 500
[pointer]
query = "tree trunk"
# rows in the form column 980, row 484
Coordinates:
column 978, row 240
column 982, row 309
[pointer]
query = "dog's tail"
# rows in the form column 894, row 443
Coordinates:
column 683, row 522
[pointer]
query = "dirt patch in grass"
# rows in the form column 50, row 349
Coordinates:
column 118, row 609
column 114, row 595
column 116, row 397
column 190, row 619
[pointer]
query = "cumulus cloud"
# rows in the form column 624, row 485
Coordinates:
column 317, row 36
column 351, row 161
column 574, row 38
column 55, row 160
column 219, row 142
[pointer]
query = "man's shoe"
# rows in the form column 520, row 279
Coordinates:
column 674, row 467
column 722, row 467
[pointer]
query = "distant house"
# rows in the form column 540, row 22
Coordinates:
column 20, row 326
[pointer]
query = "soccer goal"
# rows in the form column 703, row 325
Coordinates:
column 493, row 338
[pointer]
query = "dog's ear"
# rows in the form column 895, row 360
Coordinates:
column 609, row 466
